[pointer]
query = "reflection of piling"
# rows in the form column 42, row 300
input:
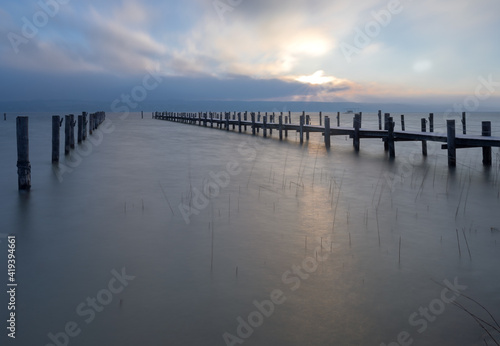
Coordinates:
column 56, row 124
column 486, row 131
column 23, row 157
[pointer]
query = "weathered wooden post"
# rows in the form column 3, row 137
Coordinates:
column 320, row 118
column 23, row 154
column 380, row 120
column 264, row 125
column 91, row 123
column 245, row 118
column 212, row 120
column 72, row 131
column 431, row 122
column 390, row 138
column 281, row 126
column 308, row 120
column 424, row 129
column 357, row 126
column 56, row 124
column 301, row 129
column 239, row 122
column 464, row 123
column 452, row 151
column 67, row 128
column 228, row 115
column 386, row 128
column 327, row 132
column 486, row 131
column 253, row 123
column 80, row 128
column 234, row 120
column 338, row 119
column 272, row 122
column 402, row 122
column 142, row 114
column 4, row 116
column 84, row 137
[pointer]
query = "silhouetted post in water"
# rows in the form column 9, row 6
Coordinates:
column 253, row 123
column 212, row 120
column 23, row 154
column 380, row 120
column 327, row 132
column 301, row 129
column 80, row 128
column 234, row 124
column 308, row 121
column 281, row 126
column 357, row 126
column 271, row 121
column 239, row 122
column 390, row 138
column 264, row 125
column 287, row 121
column 289, row 117
column 245, row 117
column 142, row 114
column 452, row 152
column 56, row 124
column 431, row 122
column 402, row 122
column 84, row 135
column 338, row 119
column 320, row 119
column 91, row 123
column 258, row 120
column 486, row 131
column 386, row 128
column 424, row 143
column 67, row 128
column 72, row 131
column 464, row 123
column 4, row 116
column 228, row 116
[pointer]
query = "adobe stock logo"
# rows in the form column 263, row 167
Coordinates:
column 40, row 19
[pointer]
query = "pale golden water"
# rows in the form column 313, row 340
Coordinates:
column 338, row 215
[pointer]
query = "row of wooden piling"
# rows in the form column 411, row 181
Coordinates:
column 22, row 129
column 387, row 132
column 93, row 122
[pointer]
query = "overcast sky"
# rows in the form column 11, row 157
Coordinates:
column 322, row 50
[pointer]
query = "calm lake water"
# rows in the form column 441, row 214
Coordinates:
column 120, row 246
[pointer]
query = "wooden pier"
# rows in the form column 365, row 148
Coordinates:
column 267, row 123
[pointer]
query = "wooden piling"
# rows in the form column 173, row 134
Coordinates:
column 390, row 138
column 431, row 122
column 386, row 128
column 272, row 122
column 338, row 119
column 423, row 123
column 91, row 123
column 56, row 124
column 320, row 118
column 4, row 116
column 281, row 126
column 72, row 131
column 486, row 131
column 23, row 154
column 84, row 133
column 301, row 129
column 212, row 120
column 308, row 122
column 142, row 114
column 464, row 123
column 357, row 126
column 452, row 152
column 67, row 127
column 239, row 122
column 264, row 125
column 380, row 120
column 402, row 122
column 80, row 129
column 228, row 115
column 327, row 132
column 253, row 124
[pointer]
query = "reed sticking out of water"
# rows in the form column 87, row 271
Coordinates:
column 466, row 243
column 458, row 241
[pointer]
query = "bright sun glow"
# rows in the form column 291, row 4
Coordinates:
column 316, row 78
column 313, row 46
